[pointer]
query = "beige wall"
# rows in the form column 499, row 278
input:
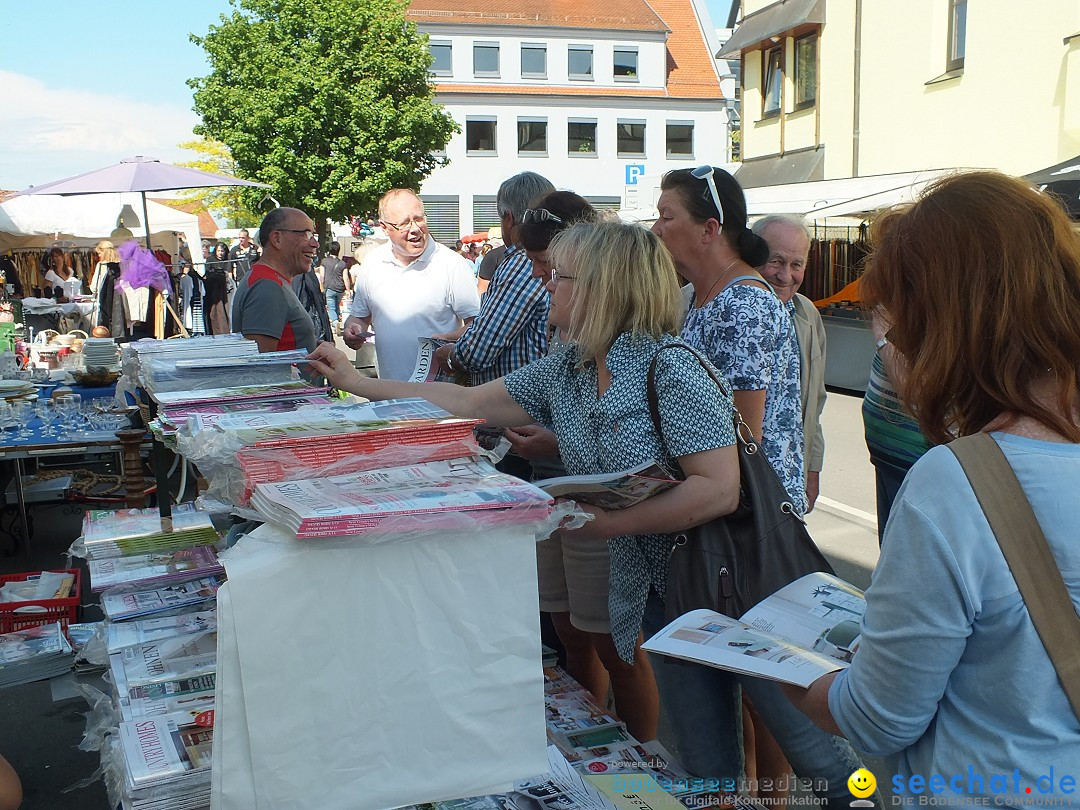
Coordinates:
column 1015, row 107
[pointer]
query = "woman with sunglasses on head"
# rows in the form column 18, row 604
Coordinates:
column 615, row 295
column 951, row 675
column 737, row 321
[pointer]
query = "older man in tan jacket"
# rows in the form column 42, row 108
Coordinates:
column 789, row 247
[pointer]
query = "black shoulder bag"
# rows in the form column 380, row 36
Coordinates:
column 733, row 562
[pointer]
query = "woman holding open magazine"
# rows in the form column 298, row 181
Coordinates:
column 615, row 293
column 978, row 286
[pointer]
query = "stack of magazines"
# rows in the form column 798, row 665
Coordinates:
column 168, row 374
column 125, row 532
column 172, row 418
column 165, row 761
column 157, row 568
column 169, row 668
column 121, row 604
column 361, row 502
column 34, row 654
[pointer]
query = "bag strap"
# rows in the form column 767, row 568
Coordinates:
column 742, row 430
column 1024, row 546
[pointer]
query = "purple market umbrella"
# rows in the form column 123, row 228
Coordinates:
column 141, row 174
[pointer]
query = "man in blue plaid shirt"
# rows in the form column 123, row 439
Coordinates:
column 511, row 329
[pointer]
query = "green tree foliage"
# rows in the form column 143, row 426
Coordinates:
column 236, row 205
column 328, row 101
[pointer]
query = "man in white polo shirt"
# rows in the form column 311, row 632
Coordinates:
column 411, row 287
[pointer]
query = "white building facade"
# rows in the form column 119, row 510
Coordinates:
column 589, row 98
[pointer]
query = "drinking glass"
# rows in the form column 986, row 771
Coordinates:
column 46, row 412
column 69, row 406
column 24, row 412
column 7, row 420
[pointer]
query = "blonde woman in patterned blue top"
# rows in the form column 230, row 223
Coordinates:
column 616, row 294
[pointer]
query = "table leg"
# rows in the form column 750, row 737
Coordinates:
column 134, row 481
column 20, row 495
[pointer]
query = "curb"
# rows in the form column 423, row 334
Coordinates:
column 848, row 513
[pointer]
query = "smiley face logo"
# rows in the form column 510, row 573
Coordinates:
column 861, row 783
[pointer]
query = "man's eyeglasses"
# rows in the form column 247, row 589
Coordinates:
column 557, row 276
column 407, row 224
column 540, row 215
column 706, row 173
column 307, row 233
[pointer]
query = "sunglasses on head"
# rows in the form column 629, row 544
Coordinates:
column 706, row 173
column 540, row 215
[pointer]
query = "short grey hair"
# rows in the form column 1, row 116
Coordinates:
column 781, row 219
column 517, row 193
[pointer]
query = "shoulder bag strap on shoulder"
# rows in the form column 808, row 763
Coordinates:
column 1029, row 557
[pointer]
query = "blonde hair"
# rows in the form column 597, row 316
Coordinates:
column 624, row 281
column 106, row 251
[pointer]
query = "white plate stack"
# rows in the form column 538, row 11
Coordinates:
column 99, row 353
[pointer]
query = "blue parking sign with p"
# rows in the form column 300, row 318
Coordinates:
column 633, row 172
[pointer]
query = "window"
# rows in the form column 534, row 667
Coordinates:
column 579, row 62
column 485, row 59
column 441, row 58
column 957, row 34
column 772, row 80
column 805, row 71
column 480, row 136
column 680, row 139
column 631, row 138
column 626, row 64
column 534, row 61
column 532, row 137
column 581, row 138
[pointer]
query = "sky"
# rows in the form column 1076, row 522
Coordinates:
column 85, row 84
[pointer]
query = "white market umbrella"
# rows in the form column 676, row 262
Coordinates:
column 138, row 174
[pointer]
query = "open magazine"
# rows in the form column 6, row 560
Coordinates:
column 611, row 490
column 803, row 631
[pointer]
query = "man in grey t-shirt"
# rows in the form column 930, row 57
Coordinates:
column 265, row 308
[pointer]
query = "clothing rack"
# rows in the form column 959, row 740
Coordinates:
column 837, row 257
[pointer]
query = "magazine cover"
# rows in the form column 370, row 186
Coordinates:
column 803, row 631
column 152, row 568
column 103, row 525
column 159, row 749
column 612, row 490
column 125, row 634
column 33, row 642
column 121, row 606
column 170, row 659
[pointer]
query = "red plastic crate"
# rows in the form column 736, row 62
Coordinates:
column 56, row 610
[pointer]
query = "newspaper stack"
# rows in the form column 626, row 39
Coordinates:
column 34, row 654
column 165, row 761
column 158, row 568
column 361, row 502
column 120, row 604
column 108, row 534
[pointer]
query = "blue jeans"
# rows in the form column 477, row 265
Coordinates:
column 333, row 307
column 704, row 709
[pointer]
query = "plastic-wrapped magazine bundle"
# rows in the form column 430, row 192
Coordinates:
column 154, row 569
column 163, row 375
column 163, row 762
column 34, row 654
column 161, row 677
column 123, row 532
column 121, row 604
column 363, row 502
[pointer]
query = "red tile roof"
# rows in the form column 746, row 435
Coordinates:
column 691, row 69
column 207, row 226
column 626, row 15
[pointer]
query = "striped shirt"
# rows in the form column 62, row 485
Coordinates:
column 511, row 329
column 892, row 434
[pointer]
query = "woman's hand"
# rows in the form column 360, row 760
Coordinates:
column 599, row 528
column 338, row 369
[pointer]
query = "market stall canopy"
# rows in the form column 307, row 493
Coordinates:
column 32, row 222
column 139, row 174
column 1063, row 180
column 843, row 197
